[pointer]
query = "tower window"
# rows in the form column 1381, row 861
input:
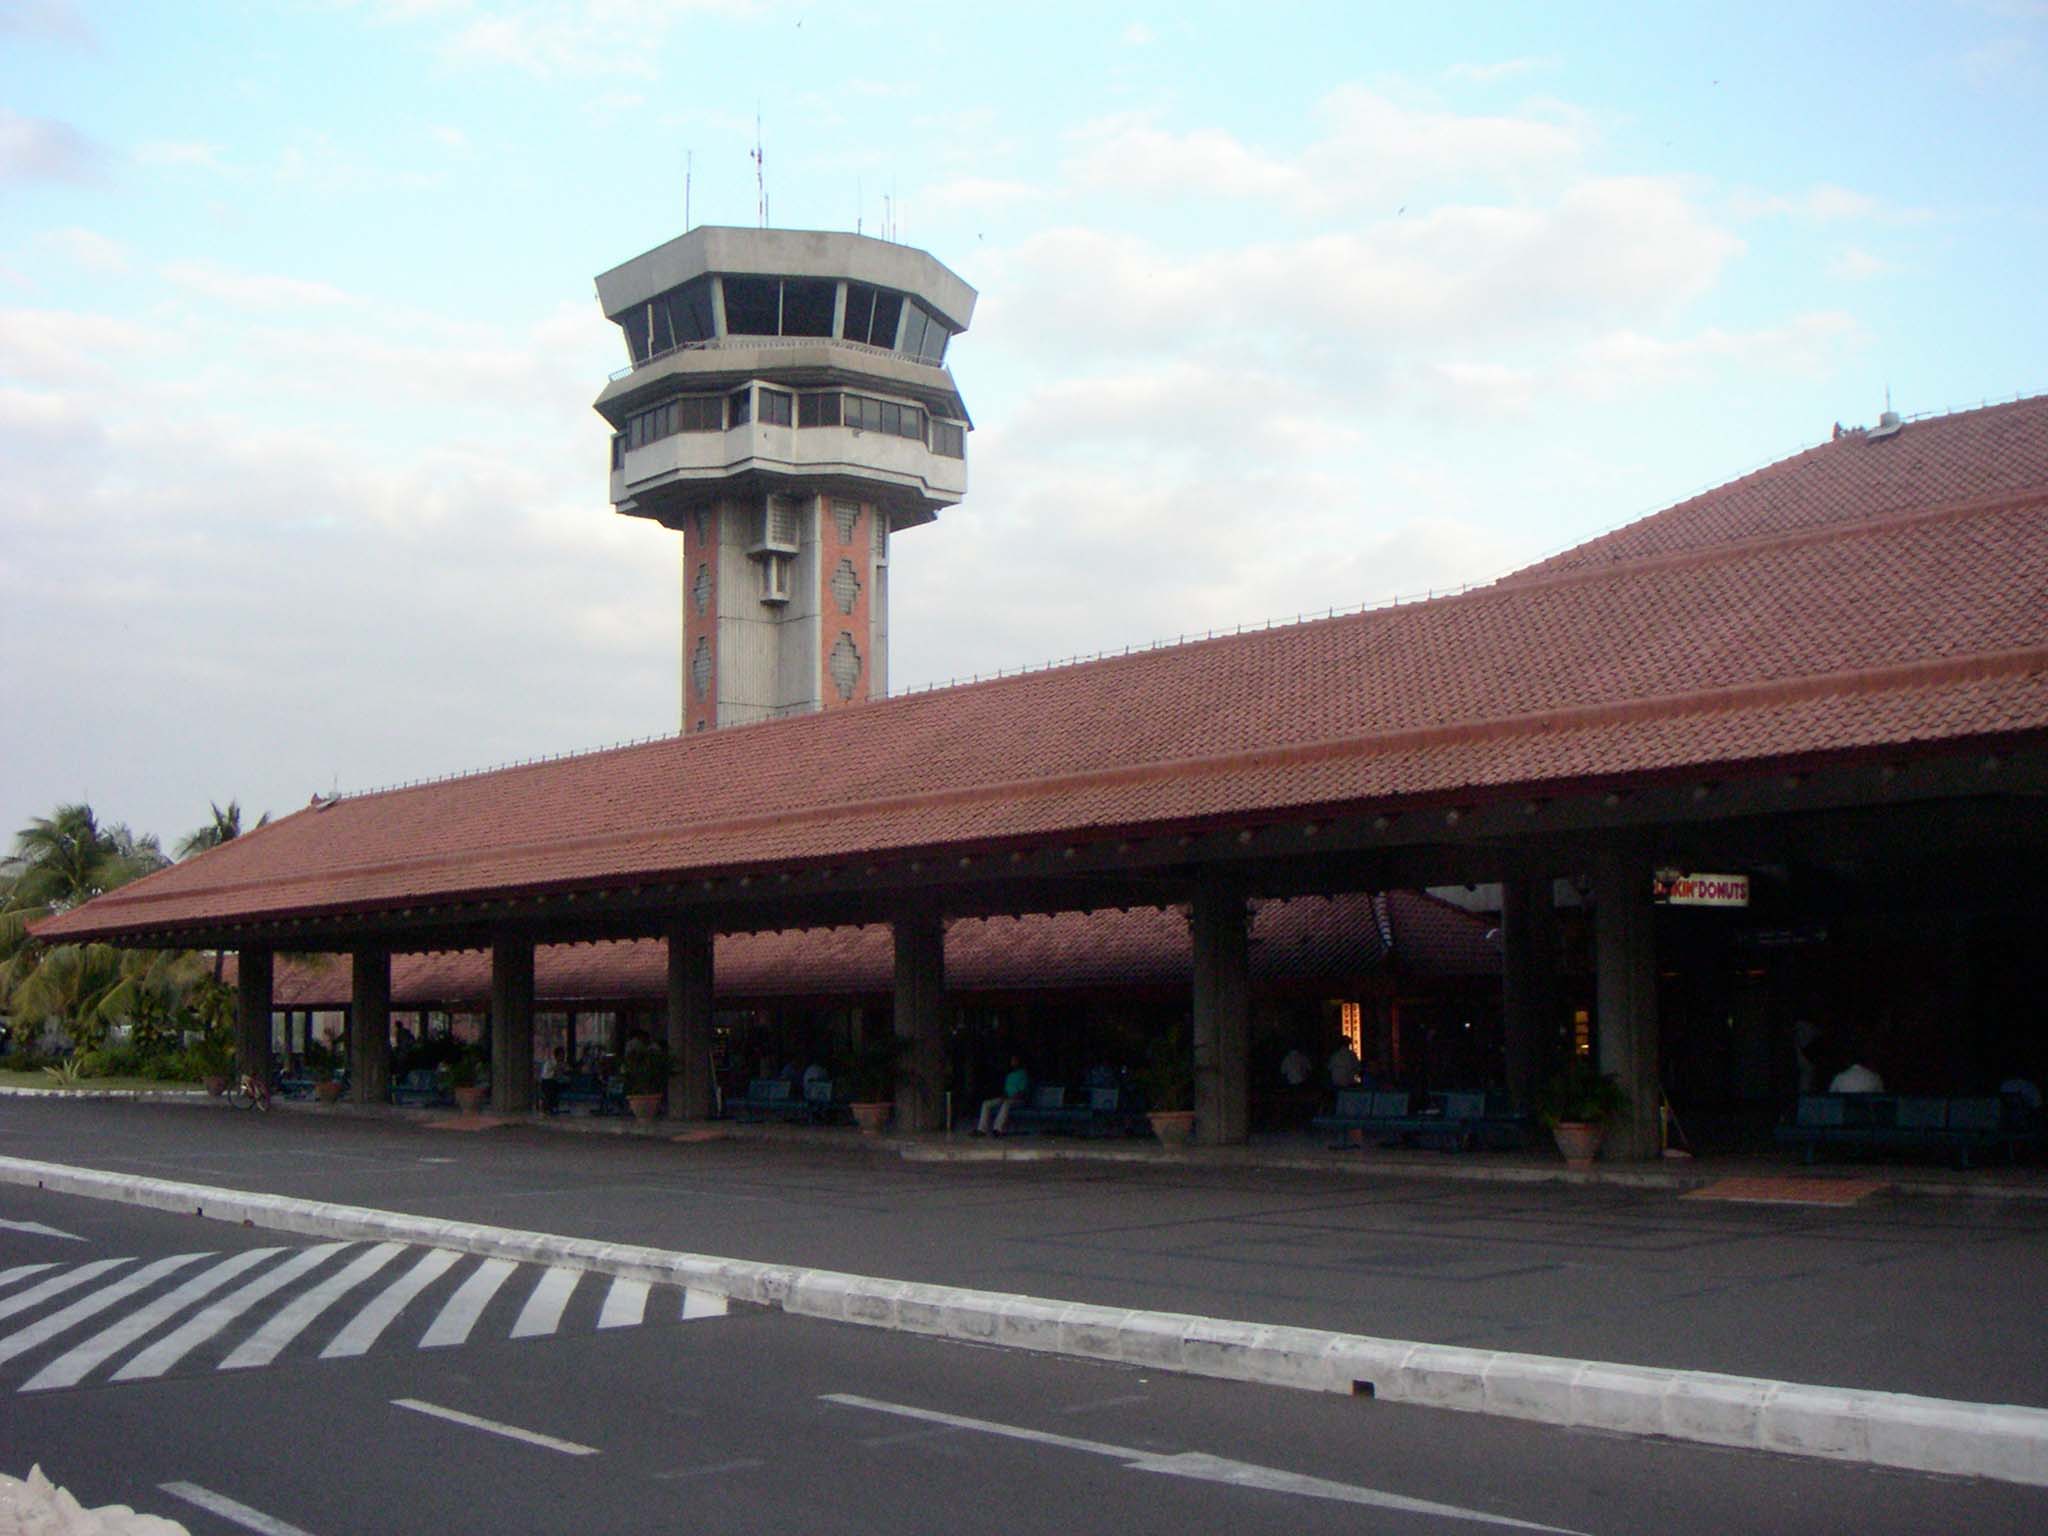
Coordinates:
column 949, row 438
column 753, row 306
column 739, row 407
column 775, row 408
column 817, row 410
column 807, row 306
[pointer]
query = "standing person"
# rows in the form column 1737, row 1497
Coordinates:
column 995, row 1113
column 1345, row 1071
column 551, row 1071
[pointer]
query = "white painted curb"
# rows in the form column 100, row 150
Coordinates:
column 1894, row 1429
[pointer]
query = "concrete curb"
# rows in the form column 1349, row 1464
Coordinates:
column 1923, row 1434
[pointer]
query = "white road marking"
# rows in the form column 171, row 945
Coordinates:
column 23, row 1271
column 459, row 1316
column 238, row 1514
column 744, row 1464
column 173, row 1347
column 67, row 1370
column 543, row 1310
column 56, row 1285
column 492, row 1426
column 368, row 1325
column 47, row 1328
column 625, row 1304
column 267, row 1342
column 698, row 1304
column 1194, row 1464
column 39, row 1229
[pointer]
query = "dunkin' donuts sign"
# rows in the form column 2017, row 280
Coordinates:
column 1675, row 889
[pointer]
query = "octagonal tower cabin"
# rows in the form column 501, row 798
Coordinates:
column 787, row 409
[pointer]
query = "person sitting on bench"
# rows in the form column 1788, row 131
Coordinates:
column 995, row 1113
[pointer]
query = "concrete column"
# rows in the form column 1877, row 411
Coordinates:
column 369, row 1026
column 690, row 977
column 511, row 1024
column 1625, row 959
column 1528, row 980
column 1219, row 924
column 921, row 1020
column 253, row 972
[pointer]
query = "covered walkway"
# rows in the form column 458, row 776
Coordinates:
column 1831, row 675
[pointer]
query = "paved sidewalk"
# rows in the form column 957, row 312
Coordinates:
column 1901, row 1293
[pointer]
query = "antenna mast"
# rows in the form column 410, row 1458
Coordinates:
column 760, row 175
column 689, row 165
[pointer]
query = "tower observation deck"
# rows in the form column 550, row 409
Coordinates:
column 787, row 409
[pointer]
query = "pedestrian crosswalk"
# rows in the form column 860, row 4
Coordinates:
column 134, row 1319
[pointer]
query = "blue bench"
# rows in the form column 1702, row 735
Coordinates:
column 771, row 1098
column 1457, row 1120
column 1906, row 1122
column 422, row 1087
column 595, row 1095
column 1090, row 1112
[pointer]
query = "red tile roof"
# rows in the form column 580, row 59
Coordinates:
column 1294, row 943
column 1861, row 597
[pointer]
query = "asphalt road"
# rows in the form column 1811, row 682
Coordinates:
column 756, row 1421
column 1933, row 1296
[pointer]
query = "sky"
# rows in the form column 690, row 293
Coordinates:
column 1283, row 308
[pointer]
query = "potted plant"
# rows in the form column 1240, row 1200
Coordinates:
column 877, row 1061
column 215, row 1059
column 646, row 1073
column 1168, row 1080
column 465, row 1079
column 320, row 1062
column 1577, row 1105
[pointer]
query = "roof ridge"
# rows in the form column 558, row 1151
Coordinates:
column 1887, row 521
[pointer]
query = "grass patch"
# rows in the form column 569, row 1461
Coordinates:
column 40, row 1081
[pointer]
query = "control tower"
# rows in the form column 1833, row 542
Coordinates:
column 788, row 410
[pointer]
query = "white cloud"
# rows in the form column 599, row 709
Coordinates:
column 1823, row 203
column 1853, row 264
column 86, row 249
column 1138, row 35
column 180, row 152
column 44, row 149
column 54, row 21
column 253, row 290
column 1371, row 149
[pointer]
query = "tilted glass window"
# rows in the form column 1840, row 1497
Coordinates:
column 807, row 305
column 753, row 306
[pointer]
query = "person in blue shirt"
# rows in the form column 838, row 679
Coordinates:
column 995, row 1113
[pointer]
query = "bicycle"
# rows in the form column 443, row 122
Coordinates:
column 250, row 1092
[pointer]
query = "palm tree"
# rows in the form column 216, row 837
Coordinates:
column 225, row 827
column 58, row 862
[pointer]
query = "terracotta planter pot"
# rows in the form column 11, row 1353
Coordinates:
column 327, row 1093
column 470, row 1100
column 1173, row 1127
column 645, row 1106
column 1579, row 1141
column 216, row 1086
column 872, row 1117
